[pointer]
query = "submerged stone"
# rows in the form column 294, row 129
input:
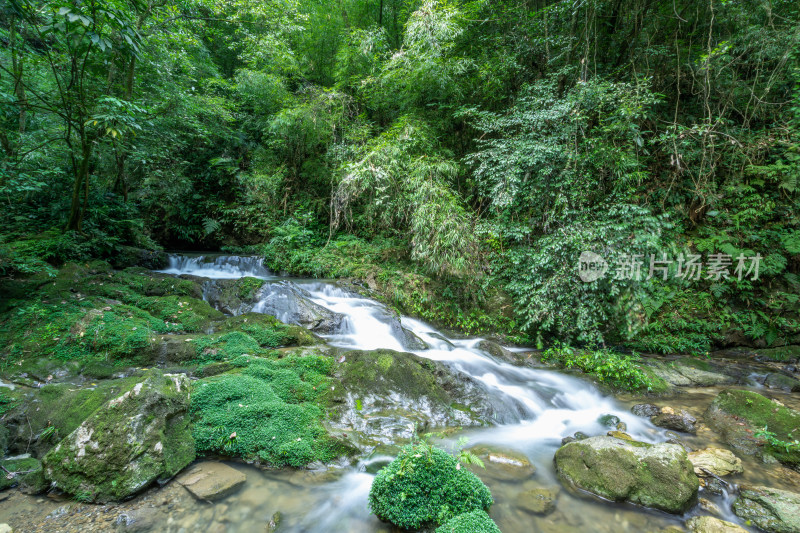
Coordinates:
column 709, row 524
column 681, row 420
column 653, row 475
column 211, row 480
column 541, row 501
column 132, row 440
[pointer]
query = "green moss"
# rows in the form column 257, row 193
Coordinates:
column 226, row 346
column 247, row 287
column 425, row 486
column 759, row 412
column 183, row 313
column 267, row 411
column 54, row 411
column 268, row 331
column 473, row 522
column 26, row 472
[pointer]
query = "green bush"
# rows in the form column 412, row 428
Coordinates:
column 266, row 412
column 621, row 371
column 426, row 486
column 474, row 522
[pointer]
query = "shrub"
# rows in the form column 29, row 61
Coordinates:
column 618, row 370
column 267, row 411
column 474, row 522
column 426, row 486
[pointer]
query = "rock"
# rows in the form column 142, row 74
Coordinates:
column 411, row 341
column 782, row 382
column 5, row 528
column 686, row 372
column 709, row 524
column 653, row 475
column 48, row 414
column 504, row 465
column 274, row 522
column 678, row 421
column 541, row 501
column 233, row 296
column 715, row 462
column 26, row 473
column 290, row 304
column 619, row 435
column 783, row 353
column 737, row 415
column 383, row 395
column 139, row 520
column 773, row 510
column 211, row 480
column 141, row 436
column 129, row 256
column 609, row 421
column 645, row 409
column 500, row 353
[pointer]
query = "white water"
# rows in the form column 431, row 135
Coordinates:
column 542, row 406
column 218, row 267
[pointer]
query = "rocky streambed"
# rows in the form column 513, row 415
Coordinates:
column 140, row 401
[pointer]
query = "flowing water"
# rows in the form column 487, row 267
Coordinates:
column 538, row 406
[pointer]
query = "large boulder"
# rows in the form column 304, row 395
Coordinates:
column 382, row 395
column 738, row 415
column 773, row 510
column 653, row 475
column 292, row 305
column 717, row 462
column 140, row 436
column 689, row 372
column 783, row 382
column 211, row 480
column 233, row 296
column 44, row 416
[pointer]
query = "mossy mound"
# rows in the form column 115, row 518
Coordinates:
column 46, row 415
column 474, row 522
column 268, row 331
column 424, row 487
column 25, row 473
column 738, row 415
column 132, row 440
column 267, row 410
column 658, row 476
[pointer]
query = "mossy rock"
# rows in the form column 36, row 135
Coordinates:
column 690, row 372
column 383, row 395
column 268, row 331
column 26, row 473
column 653, row 475
column 773, row 510
column 190, row 315
column 737, row 415
column 782, row 353
column 233, row 296
column 138, row 437
column 44, row 416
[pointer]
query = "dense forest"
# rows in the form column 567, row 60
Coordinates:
column 456, row 157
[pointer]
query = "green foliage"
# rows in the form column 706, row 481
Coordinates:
column 425, row 486
column 472, row 522
column 777, row 443
column 617, row 370
column 267, row 411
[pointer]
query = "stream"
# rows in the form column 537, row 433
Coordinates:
column 536, row 409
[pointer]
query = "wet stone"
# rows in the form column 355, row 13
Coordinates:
column 541, row 501
column 211, row 480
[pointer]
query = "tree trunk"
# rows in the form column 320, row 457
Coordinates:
column 77, row 207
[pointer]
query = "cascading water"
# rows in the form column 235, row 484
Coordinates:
column 218, row 267
column 540, row 406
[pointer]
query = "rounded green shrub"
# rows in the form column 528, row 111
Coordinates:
column 474, row 522
column 425, row 486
